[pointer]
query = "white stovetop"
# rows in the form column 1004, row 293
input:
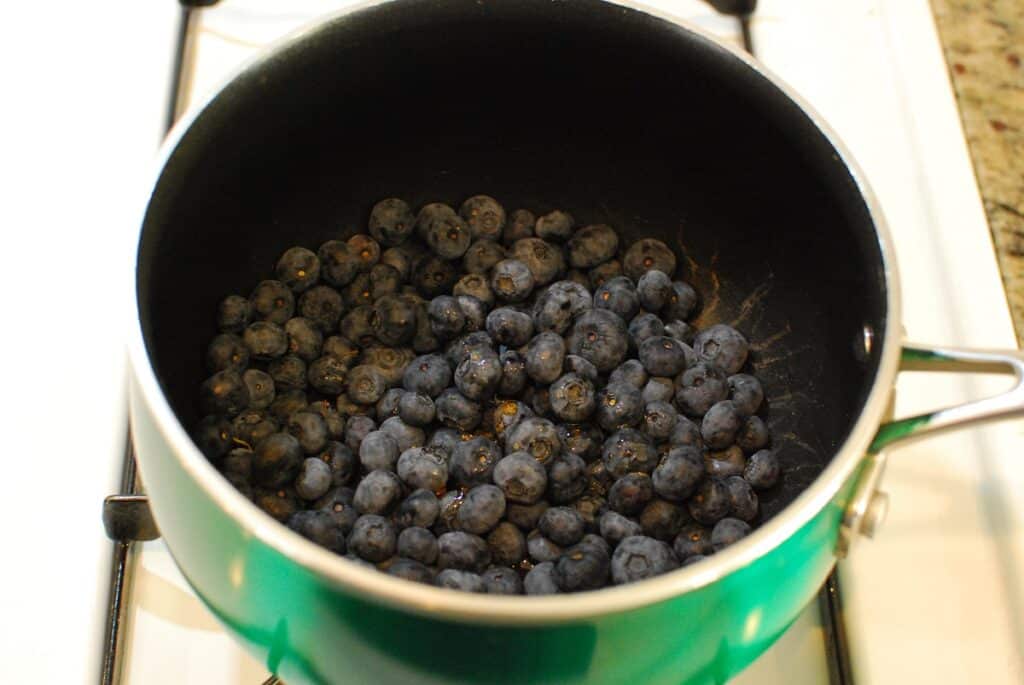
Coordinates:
column 936, row 598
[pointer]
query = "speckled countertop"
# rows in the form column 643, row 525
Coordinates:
column 984, row 45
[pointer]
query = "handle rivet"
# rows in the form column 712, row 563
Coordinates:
column 874, row 515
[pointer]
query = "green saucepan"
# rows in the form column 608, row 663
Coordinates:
column 621, row 116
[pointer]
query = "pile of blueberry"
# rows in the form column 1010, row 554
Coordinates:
column 488, row 402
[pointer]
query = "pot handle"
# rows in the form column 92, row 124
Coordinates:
column 925, row 358
column 868, row 506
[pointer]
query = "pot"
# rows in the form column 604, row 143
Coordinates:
column 620, row 116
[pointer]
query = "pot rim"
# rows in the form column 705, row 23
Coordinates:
column 447, row 604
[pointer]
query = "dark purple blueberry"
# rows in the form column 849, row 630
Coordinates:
column 581, row 367
column 420, row 509
column 416, row 409
column 631, row 493
column 590, row 506
column 720, row 425
column 618, row 295
column 722, row 346
column 544, row 357
column 728, row 531
column 378, row 451
column 332, row 419
column 423, row 468
column 377, row 493
column 762, row 470
column 502, row 581
column 446, row 317
column 462, row 551
column 600, row 337
column 659, row 420
column 525, row 516
column 639, row 557
column 628, row 451
column 288, row 372
column 512, row 280
column 619, row 405
column 226, row 352
column 700, row 387
column 540, row 401
column 391, row 221
column 287, row 403
column 400, row 259
column 405, row 435
column 507, row 544
column 724, row 463
column 475, row 312
column 445, row 439
column 541, row 580
column 213, row 436
column 644, row 326
column 223, row 393
column 372, row 538
column 304, row 339
column 513, row 373
column 582, row 439
column 251, row 426
column 752, row 436
column 648, row 254
column 654, row 288
column 685, row 432
column 520, row 224
column 309, row 429
column 233, row 314
column 544, row 260
column 433, row 276
column 746, row 393
column 582, row 567
column 572, row 398
column 603, row 273
column 387, row 405
column 265, row 340
column 481, row 257
column 338, row 503
column 486, row 218
column 358, row 293
column 318, row 527
column 476, row 285
column 662, row 356
column 444, row 231
column 342, row 349
column 366, row 384
column 561, row 525
column 541, row 549
column 455, row 410
column 341, row 460
column 658, row 389
column 455, row 579
column 510, row 327
column 298, row 268
column 506, row 414
column 473, row 461
column 328, row 375
column 417, row 543
column 314, row 479
column 615, row 527
column 391, row 362
column 481, row 509
column 279, row 503
column 678, row 473
column 428, row 374
column 356, row 428
column 578, row 277
column 536, row 436
column 393, row 320
column 238, row 463
column 742, row 498
column 681, row 303
column 410, row 569
column 662, row 520
column 322, row 306
column 683, row 332
column 556, row 225
column 478, row 374
column 711, row 502
column 567, row 478
column 592, row 245
column 276, row 460
column 366, row 251
column 460, row 348
column 338, row 264
column 272, row 301
column 521, row 478
column 631, row 372
column 693, row 539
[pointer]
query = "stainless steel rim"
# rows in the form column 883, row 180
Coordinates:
column 497, row 610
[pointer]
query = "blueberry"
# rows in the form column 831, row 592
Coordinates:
column 323, row 306
column 541, row 580
column 502, row 581
column 416, row 409
column 405, row 435
column 507, row 544
column 378, row 450
column 692, row 560
column 486, row 218
column 372, row 538
column 520, row 224
column 683, row 332
column 582, row 439
column 630, row 373
column 512, row 280
column 304, row 339
column 432, row 275
column 358, row 325
column 643, row 326
column 272, row 301
column 567, row 478
column 213, row 436
column 314, row 479
column 543, row 259
column 387, row 405
column 227, row 352
column 615, row 527
column 377, row 493
column 540, row 401
column 428, row 375
column 659, row 420
column 742, row 498
column 279, row 503
column 746, row 393
column 460, row 348
column 476, row 285
column 392, row 320
column 648, row 254
column 419, row 509
column 454, row 579
column 366, row 251
column 481, row 257
column 423, row 467
column 481, row 509
column 525, row 516
column 309, row 429
column 233, row 314
column 288, row 372
column 507, row 413
column 723, row 463
column 693, row 539
column 356, row 428
column 628, row 451
column 762, row 470
column 662, row 356
column 265, row 340
column 338, row 264
column 298, row 268
column 513, row 373
column 678, row 473
column 662, row 520
column 711, row 502
column 238, row 462
column 478, row 374
column 223, row 393
column 572, row 398
column 391, row 362
column 366, row 384
column 338, row 503
column 561, row 525
column 681, row 303
column 720, row 425
column 556, row 225
column 444, row 231
column 544, row 357
column 319, row 527
column 728, row 531
column 592, row 245
column 618, row 294
column 463, row 551
column 332, row 419
column 341, row 460
column 509, row 326
column 521, row 478
column 541, row 549
column 603, row 273
column 446, row 317
column 638, row 557
column 582, row 567
column 700, row 387
column 400, row 259
column 328, row 375
column 456, row 411
column 391, row 221
column 654, row 288
column 276, row 460
column 658, row 389
column 599, row 481
column 473, row 461
column 600, row 337
column 410, row 569
column 619, row 405
column 474, row 310
column 752, row 436
column 287, row 403
column 447, row 510
column 722, row 346
column 417, row 543
column 631, row 493
column 581, row 367
column 358, row 293
column 536, row 436
column 445, row 439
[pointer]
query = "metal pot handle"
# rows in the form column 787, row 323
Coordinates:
column 868, row 506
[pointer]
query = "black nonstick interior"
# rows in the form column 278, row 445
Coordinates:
column 609, row 113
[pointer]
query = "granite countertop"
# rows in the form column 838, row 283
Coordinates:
column 984, row 45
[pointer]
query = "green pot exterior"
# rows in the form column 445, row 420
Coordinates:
column 307, row 629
